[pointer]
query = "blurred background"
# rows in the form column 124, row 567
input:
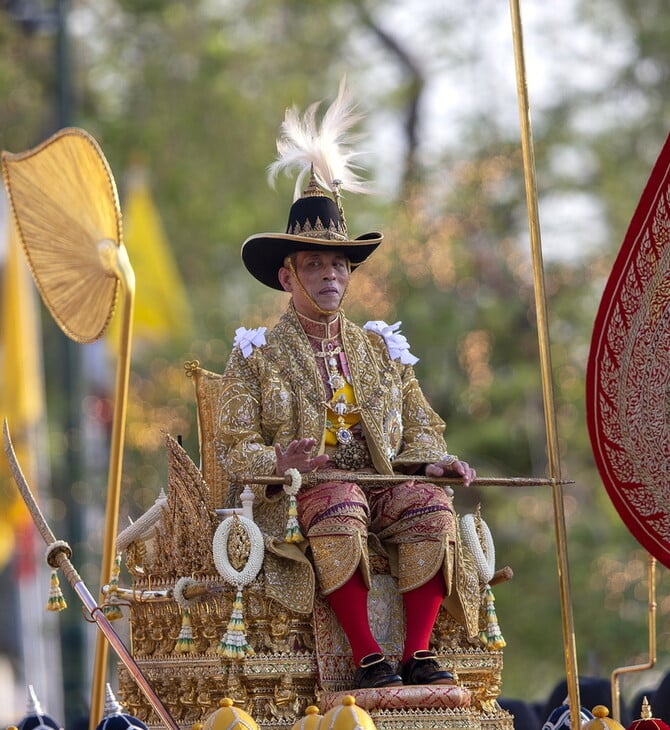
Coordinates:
column 185, row 99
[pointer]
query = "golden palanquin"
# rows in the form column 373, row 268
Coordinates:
column 299, row 659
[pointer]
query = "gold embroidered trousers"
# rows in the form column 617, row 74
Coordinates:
column 414, row 523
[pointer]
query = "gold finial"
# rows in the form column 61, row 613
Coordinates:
column 312, row 190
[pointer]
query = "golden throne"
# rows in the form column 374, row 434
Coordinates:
column 298, row 659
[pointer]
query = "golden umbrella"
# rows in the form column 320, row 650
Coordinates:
column 66, row 207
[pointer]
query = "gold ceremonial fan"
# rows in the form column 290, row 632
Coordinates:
column 68, row 216
column 66, row 207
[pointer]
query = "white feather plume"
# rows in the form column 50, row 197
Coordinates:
column 303, row 145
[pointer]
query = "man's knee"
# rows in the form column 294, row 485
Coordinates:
column 335, row 502
column 337, row 556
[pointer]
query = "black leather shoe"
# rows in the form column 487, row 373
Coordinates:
column 374, row 672
column 423, row 668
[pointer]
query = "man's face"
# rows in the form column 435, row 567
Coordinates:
column 323, row 274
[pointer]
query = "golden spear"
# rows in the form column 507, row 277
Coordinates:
column 569, row 645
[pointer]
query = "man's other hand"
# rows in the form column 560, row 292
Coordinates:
column 298, row 455
column 455, row 468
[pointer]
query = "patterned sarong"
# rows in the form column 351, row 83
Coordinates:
column 414, row 522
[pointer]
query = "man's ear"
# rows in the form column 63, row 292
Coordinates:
column 284, row 276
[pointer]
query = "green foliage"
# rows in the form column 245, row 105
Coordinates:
column 26, row 78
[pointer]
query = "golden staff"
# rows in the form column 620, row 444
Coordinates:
column 313, row 478
column 67, row 211
column 545, row 366
column 58, row 556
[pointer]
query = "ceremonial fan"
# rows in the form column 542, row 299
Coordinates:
column 628, row 374
column 628, row 384
column 66, row 207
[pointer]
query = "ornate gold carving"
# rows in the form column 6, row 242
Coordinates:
column 191, row 685
column 276, row 636
column 238, row 546
column 285, row 704
column 185, row 537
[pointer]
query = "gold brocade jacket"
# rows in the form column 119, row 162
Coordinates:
column 275, row 394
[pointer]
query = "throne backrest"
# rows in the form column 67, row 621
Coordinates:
column 207, row 387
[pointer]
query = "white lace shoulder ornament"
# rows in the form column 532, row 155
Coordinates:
column 247, row 339
column 396, row 343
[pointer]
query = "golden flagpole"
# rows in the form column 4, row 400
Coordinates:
column 545, row 366
column 117, row 262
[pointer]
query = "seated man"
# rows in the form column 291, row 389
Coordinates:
column 318, row 392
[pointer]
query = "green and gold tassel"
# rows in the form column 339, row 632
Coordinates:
column 293, row 533
column 494, row 638
column 185, row 643
column 233, row 644
column 111, row 609
column 56, row 600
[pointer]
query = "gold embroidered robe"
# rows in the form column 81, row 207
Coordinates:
column 276, row 394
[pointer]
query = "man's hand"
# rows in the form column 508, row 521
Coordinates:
column 455, row 468
column 297, row 455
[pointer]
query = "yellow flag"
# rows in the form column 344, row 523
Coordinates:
column 21, row 380
column 162, row 311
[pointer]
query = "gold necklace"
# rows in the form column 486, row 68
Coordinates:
column 330, row 353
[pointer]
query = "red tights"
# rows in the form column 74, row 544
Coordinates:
column 350, row 604
column 421, row 608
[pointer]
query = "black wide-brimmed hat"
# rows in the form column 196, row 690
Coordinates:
column 314, row 224
column 316, row 220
